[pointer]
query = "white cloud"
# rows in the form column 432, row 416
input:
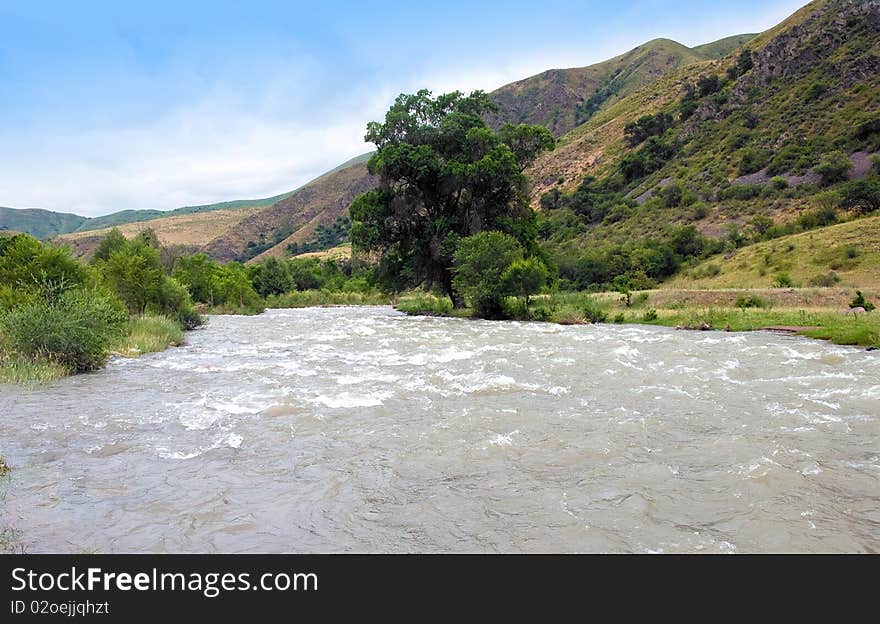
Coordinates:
column 194, row 156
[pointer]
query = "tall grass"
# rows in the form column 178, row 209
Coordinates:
column 16, row 369
column 149, row 334
column 424, row 304
column 309, row 298
column 838, row 327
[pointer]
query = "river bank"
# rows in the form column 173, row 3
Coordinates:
column 815, row 313
column 141, row 335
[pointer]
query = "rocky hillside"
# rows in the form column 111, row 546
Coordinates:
column 740, row 147
column 295, row 218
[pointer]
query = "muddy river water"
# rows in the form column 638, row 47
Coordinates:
column 364, row 430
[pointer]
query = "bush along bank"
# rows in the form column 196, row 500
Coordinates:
column 60, row 316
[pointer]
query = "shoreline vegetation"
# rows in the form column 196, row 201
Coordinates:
column 811, row 313
column 66, row 316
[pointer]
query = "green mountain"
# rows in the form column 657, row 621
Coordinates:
column 561, row 99
column 45, row 224
column 761, row 143
column 40, row 223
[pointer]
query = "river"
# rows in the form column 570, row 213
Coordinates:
column 364, row 430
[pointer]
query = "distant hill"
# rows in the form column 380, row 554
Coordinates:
column 136, row 216
column 562, row 99
column 45, row 224
column 244, row 229
column 40, row 223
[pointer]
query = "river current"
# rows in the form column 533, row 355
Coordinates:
column 364, row 430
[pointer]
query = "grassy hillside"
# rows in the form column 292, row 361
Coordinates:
column 845, row 255
column 562, row 99
column 39, row 223
column 137, row 216
column 192, row 230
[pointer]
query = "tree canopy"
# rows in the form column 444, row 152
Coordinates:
column 444, row 175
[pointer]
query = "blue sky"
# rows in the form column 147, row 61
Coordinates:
column 107, row 106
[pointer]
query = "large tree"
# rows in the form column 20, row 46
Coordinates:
column 444, row 174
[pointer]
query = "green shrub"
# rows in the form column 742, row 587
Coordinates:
column 825, row 281
column 594, row 311
column 650, row 316
column 425, row 304
column 863, row 195
column 76, row 330
column 480, row 262
column 752, row 161
column 779, row 183
column 861, row 302
column 752, row 301
column 742, row 192
column 833, row 167
column 783, row 280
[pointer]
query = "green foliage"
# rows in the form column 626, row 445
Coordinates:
column 425, row 304
column 783, row 280
column 742, row 192
column 75, row 330
column 525, row 278
column 29, row 266
column 594, row 201
column 270, row 277
column 526, row 142
column 113, row 242
column 594, row 310
column 17, row 369
column 751, row 301
column 308, row 298
column 552, row 199
column 752, row 160
column 233, row 288
column 779, row 183
column 197, row 272
column 326, row 237
column 833, row 167
column 149, row 334
column 647, row 126
column 135, row 274
column 225, row 285
column 820, row 217
column 744, row 64
column 480, row 263
column 825, row 281
column 650, row 316
column 444, row 175
column 863, row 195
column 860, row 302
column 793, row 158
column 707, row 85
column 649, row 158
